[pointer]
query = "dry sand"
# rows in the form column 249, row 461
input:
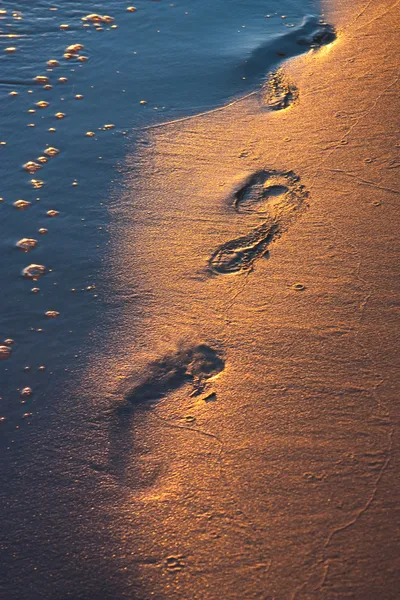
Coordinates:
column 273, row 475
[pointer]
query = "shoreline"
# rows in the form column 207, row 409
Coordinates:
column 235, row 434
column 286, row 472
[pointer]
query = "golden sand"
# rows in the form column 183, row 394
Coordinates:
column 266, row 232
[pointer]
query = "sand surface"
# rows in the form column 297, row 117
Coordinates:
column 274, row 475
column 244, row 439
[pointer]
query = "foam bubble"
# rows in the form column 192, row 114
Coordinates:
column 34, row 271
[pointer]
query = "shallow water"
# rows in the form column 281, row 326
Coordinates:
column 164, row 61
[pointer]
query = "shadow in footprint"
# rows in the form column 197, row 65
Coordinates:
column 192, row 366
column 279, row 198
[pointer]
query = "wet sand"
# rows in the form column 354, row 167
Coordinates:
column 244, row 438
column 277, row 477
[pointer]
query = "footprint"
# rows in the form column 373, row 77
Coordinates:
column 280, row 92
column 280, row 199
column 192, row 366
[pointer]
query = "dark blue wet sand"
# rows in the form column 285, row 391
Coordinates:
column 181, row 58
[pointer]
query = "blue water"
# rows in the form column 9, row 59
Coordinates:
column 181, row 58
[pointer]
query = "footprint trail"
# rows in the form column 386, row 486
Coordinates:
column 277, row 197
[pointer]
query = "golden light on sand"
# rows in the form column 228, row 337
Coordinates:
column 239, row 401
column 246, row 229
